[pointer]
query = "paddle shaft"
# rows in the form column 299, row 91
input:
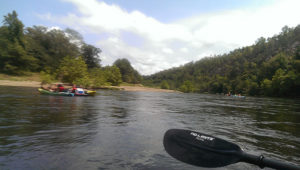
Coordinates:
column 262, row 162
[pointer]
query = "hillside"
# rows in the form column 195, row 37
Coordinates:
column 270, row 67
column 57, row 55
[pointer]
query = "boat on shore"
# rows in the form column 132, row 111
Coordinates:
column 54, row 93
column 67, row 93
column 238, row 96
column 235, row 95
column 91, row 92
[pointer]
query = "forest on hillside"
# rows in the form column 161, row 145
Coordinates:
column 59, row 55
column 270, row 67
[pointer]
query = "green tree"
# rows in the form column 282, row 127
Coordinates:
column 38, row 45
column 128, row 73
column 252, row 88
column 277, row 81
column 15, row 28
column 113, row 75
column 46, row 77
column 297, row 55
column 251, row 70
column 285, row 83
column 90, row 55
column 73, row 70
column 267, row 88
column 13, row 55
column 59, row 47
column 164, row 85
column 74, row 37
column 99, row 77
column 84, row 81
column 187, row 87
column 49, row 46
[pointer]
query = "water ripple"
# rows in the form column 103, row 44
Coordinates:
column 124, row 130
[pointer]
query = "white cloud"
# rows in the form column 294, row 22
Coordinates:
column 53, row 28
column 184, row 50
column 167, row 51
column 156, row 45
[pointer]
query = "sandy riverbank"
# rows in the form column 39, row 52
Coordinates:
column 20, row 83
column 38, row 84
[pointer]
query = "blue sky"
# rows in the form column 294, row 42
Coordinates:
column 165, row 11
column 156, row 35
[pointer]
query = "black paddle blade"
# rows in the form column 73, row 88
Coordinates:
column 200, row 149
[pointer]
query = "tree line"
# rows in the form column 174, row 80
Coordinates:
column 270, row 67
column 58, row 55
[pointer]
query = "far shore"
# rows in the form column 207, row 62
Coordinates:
column 125, row 87
column 143, row 88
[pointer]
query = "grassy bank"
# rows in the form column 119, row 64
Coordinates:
column 26, row 77
column 34, row 80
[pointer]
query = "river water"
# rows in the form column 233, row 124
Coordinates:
column 124, row 130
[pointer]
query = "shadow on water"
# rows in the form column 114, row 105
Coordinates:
column 124, row 130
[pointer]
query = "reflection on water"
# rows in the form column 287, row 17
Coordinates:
column 118, row 129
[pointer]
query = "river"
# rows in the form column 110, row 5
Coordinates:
column 124, row 130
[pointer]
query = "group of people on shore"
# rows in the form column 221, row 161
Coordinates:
column 62, row 88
